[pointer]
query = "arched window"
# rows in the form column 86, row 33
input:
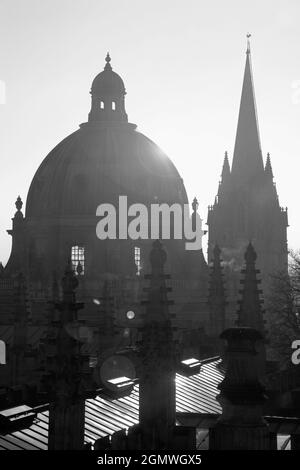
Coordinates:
column 113, row 105
column 137, row 260
column 2, row 352
column 78, row 259
column 102, row 104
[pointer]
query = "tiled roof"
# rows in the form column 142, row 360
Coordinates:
column 104, row 416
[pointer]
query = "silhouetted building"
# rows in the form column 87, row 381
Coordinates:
column 103, row 160
column 247, row 207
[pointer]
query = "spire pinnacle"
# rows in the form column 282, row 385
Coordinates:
column 248, row 44
column 268, row 167
column 247, row 163
column 226, row 168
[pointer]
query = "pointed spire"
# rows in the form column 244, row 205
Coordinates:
column 268, row 167
column 250, row 313
column 226, row 168
column 247, row 161
column 248, row 51
column 224, row 185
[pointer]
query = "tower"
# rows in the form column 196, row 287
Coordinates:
column 247, row 206
column 216, row 298
column 157, row 381
column 66, row 379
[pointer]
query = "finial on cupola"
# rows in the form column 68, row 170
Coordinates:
column 107, row 60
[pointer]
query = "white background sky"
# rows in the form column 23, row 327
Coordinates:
column 182, row 62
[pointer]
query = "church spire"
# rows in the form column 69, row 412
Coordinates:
column 226, row 168
column 247, row 158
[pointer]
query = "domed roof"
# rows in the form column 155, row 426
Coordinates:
column 104, row 159
column 95, row 165
column 108, row 82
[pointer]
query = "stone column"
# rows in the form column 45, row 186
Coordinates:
column 241, row 425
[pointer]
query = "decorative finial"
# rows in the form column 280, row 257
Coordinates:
column 195, row 205
column 248, row 43
column 107, row 60
column 19, row 204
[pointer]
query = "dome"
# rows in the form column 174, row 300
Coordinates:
column 108, row 82
column 104, row 159
column 98, row 163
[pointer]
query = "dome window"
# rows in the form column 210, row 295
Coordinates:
column 113, row 105
column 78, row 260
column 2, row 352
column 101, row 104
column 137, row 260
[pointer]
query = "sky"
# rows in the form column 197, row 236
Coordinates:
column 182, row 62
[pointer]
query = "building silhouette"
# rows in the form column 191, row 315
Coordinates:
column 157, row 355
column 247, row 207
